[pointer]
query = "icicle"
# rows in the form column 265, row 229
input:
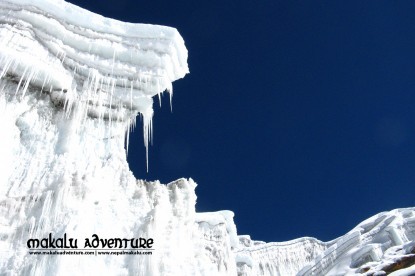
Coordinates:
column 20, row 81
column 131, row 96
column 146, row 145
column 128, row 135
column 6, row 67
column 27, row 82
column 170, row 90
column 159, row 96
column 113, row 62
column 110, row 107
column 151, row 131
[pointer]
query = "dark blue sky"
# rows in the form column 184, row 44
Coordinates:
column 297, row 115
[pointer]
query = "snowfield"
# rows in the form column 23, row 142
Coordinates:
column 71, row 86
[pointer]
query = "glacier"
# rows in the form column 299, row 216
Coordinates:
column 72, row 84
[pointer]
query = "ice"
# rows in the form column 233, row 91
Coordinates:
column 72, row 84
column 381, row 244
column 109, row 69
column 368, row 247
column 277, row 258
column 220, row 217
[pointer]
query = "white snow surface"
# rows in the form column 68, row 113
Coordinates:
column 371, row 248
column 107, row 68
column 71, row 85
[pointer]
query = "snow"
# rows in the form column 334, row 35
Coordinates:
column 71, row 86
column 109, row 69
column 368, row 247
column 374, row 246
column 277, row 258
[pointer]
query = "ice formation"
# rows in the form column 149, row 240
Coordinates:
column 104, row 68
column 380, row 245
column 71, row 85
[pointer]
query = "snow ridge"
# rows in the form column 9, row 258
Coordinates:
column 379, row 245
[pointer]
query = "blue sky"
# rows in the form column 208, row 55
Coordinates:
column 296, row 115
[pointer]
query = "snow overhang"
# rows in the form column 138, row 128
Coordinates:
column 108, row 68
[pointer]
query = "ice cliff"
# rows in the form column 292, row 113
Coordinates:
column 71, row 86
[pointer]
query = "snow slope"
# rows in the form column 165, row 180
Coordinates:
column 71, row 86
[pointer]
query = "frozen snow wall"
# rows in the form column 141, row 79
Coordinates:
column 71, row 86
column 108, row 69
column 63, row 67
